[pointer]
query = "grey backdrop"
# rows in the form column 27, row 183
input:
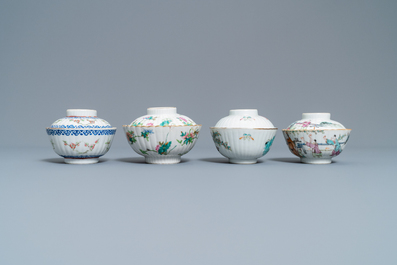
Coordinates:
column 204, row 57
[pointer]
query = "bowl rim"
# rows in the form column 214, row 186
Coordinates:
column 154, row 126
column 242, row 128
column 312, row 130
column 50, row 128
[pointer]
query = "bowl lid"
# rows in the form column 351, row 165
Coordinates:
column 244, row 118
column 315, row 121
column 163, row 116
column 80, row 118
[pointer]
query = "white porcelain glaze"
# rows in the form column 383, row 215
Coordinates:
column 244, row 118
column 81, row 137
column 162, row 136
column 80, row 118
column 242, row 145
column 315, row 121
column 243, row 136
column 316, row 139
column 162, row 116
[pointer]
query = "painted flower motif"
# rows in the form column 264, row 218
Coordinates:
column 135, row 123
column 91, row 147
column 151, row 118
column 163, row 147
column 108, row 145
column 150, row 124
column 73, row 145
column 215, row 134
column 185, row 122
column 145, row 134
column 246, row 137
column 246, row 118
column 165, row 122
column 188, row 137
column 306, row 124
column 131, row 137
column 218, row 142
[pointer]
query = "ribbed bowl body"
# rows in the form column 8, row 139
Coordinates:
column 163, row 116
column 79, row 122
column 162, row 145
column 243, row 145
column 81, row 143
column 244, row 118
column 316, row 146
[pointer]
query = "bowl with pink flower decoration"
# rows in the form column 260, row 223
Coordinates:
column 81, row 137
column 162, row 136
column 316, row 139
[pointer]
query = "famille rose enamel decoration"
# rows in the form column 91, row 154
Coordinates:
column 316, row 139
column 81, row 137
column 162, row 136
column 243, row 136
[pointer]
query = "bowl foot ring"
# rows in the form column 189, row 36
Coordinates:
column 163, row 160
column 81, row 161
column 242, row 161
column 317, row 161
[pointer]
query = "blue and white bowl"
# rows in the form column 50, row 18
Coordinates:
column 81, row 137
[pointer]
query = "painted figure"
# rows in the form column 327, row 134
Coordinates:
column 334, row 141
column 291, row 145
column 314, row 146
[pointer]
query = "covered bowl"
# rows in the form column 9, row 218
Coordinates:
column 243, row 136
column 316, row 139
column 162, row 136
column 81, row 137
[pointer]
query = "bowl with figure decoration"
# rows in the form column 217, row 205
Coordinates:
column 162, row 136
column 243, row 136
column 81, row 137
column 316, row 139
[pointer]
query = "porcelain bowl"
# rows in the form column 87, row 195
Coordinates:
column 81, row 146
column 316, row 146
column 162, row 144
column 243, row 145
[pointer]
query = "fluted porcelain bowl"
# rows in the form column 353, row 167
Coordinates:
column 243, row 136
column 162, row 136
column 81, row 137
column 316, row 139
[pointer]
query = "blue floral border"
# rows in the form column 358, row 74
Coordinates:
column 77, row 157
column 80, row 126
column 79, row 132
